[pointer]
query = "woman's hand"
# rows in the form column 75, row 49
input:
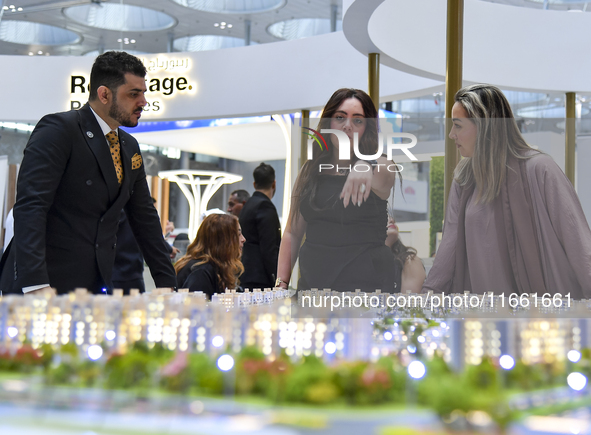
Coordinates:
column 358, row 185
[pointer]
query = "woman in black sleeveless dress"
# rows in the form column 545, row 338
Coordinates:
column 340, row 205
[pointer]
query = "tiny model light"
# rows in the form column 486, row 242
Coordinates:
column 217, row 341
column 225, row 363
column 416, row 370
column 574, row 356
column 507, row 362
column 94, row 352
column 330, row 348
column 577, row 381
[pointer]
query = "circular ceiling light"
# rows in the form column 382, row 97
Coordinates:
column 301, row 28
column 233, row 6
column 26, row 32
column 207, row 42
column 114, row 16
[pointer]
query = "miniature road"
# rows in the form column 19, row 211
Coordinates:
column 223, row 417
column 39, row 421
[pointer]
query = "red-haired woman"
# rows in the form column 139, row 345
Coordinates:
column 212, row 262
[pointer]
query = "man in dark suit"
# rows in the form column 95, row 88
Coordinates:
column 236, row 201
column 262, row 230
column 78, row 172
column 128, row 270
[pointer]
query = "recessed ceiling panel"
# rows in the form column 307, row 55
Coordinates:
column 26, row 32
column 114, row 16
column 95, row 53
column 560, row 2
column 233, row 6
column 207, row 42
column 301, row 28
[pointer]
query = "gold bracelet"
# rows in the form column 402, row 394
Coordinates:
column 279, row 281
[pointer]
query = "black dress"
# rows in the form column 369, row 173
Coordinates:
column 345, row 248
column 202, row 277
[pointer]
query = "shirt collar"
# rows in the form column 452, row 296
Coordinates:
column 104, row 126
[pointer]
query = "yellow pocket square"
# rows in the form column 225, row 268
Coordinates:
column 136, row 161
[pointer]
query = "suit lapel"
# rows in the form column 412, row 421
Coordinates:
column 98, row 145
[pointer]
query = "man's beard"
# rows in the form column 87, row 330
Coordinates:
column 118, row 115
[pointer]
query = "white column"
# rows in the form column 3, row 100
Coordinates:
column 190, row 182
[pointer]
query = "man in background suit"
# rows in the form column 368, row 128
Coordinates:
column 236, row 201
column 78, row 172
column 262, row 230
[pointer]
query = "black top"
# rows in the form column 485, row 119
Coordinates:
column 202, row 277
column 262, row 230
column 345, row 247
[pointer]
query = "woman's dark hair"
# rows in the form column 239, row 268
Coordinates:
column 307, row 181
column 109, row 70
column 402, row 253
column 217, row 242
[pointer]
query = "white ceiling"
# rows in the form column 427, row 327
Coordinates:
column 519, row 48
column 246, row 142
column 189, row 22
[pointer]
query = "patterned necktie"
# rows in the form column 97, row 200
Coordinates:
column 116, row 154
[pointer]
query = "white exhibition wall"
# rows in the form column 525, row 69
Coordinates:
column 265, row 79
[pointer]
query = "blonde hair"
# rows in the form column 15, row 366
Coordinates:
column 498, row 138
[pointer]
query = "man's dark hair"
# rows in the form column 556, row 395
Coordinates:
column 241, row 194
column 264, row 175
column 109, row 70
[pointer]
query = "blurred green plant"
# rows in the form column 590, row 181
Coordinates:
column 401, row 430
column 363, row 383
column 24, row 360
column 194, row 373
column 136, row 368
column 256, row 375
column 477, row 388
column 311, row 381
column 436, row 199
column 483, row 387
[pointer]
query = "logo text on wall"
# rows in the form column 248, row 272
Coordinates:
column 166, row 79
